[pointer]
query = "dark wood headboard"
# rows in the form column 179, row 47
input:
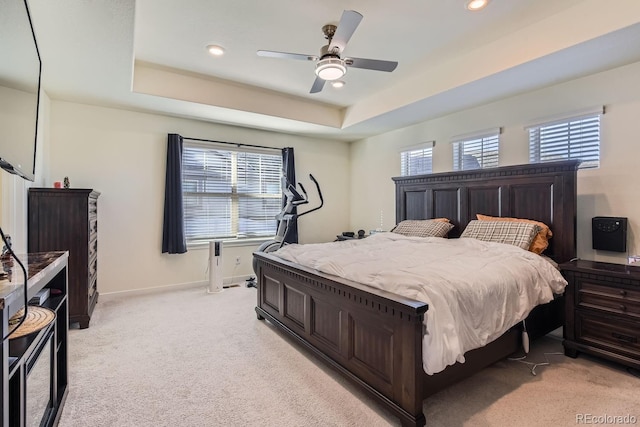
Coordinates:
column 544, row 192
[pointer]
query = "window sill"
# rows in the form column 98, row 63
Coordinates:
column 204, row 244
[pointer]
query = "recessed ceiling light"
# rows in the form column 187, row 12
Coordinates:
column 215, row 50
column 476, row 4
column 338, row 84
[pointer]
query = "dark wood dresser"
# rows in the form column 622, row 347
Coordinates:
column 67, row 219
column 603, row 311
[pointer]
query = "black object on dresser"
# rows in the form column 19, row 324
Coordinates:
column 67, row 219
column 603, row 311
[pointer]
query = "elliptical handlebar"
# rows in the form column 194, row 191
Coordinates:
column 311, row 177
column 300, row 200
column 306, row 196
column 292, row 200
column 297, row 198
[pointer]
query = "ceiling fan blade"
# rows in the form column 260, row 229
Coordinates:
column 318, row 84
column 346, row 27
column 371, row 64
column 285, row 55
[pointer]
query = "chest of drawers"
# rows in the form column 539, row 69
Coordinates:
column 602, row 314
column 67, row 220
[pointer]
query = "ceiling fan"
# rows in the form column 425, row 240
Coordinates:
column 330, row 65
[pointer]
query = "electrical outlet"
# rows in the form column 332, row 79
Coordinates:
column 237, row 260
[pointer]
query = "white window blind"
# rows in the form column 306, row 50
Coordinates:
column 576, row 138
column 476, row 152
column 230, row 194
column 416, row 161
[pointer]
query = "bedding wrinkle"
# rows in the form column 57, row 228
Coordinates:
column 475, row 290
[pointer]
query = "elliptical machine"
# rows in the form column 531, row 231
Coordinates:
column 293, row 199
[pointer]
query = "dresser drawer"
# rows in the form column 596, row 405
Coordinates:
column 616, row 334
column 609, row 299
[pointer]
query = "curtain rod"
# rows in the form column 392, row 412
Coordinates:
column 237, row 144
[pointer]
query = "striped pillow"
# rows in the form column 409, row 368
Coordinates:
column 513, row 233
column 540, row 241
column 423, row 228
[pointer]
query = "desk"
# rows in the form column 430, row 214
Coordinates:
column 23, row 356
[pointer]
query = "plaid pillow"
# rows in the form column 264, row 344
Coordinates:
column 423, row 228
column 540, row 241
column 513, row 233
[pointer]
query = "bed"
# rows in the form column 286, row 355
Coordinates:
column 374, row 338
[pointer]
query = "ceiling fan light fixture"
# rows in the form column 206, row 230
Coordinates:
column 474, row 5
column 330, row 69
column 215, row 50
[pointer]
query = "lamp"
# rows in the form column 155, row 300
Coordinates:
column 331, row 69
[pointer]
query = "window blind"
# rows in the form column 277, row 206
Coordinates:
column 416, row 161
column 476, row 153
column 230, row 194
column 577, row 138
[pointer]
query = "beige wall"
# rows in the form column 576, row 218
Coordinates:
column 607, row 191
column 122, row 154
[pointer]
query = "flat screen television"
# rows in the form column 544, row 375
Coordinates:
column 20, row 70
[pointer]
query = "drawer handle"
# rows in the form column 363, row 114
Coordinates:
column 625, row 338
column 623, row 293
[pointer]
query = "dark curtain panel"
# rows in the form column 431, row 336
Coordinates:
column 288, row 166
column 173, row 238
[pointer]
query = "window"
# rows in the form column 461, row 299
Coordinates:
column 230, row 194
column 573, row 138
column 475, row 152
column 416, row 160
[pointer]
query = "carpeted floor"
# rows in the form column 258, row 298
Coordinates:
column 186, row 358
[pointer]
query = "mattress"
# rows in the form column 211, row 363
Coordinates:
column 476, row 290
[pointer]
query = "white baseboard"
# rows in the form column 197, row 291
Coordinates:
column 201, row 283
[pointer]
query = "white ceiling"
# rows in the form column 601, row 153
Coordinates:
column 150, row 55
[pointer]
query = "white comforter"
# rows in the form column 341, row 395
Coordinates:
column 475, row 290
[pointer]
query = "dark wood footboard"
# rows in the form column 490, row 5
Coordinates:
column 373, row 338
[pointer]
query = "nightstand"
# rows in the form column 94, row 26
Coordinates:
column 602, row 312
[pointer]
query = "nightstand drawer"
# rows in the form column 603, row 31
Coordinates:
column 616, row 334
column 609, row 299
column 616, row 292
